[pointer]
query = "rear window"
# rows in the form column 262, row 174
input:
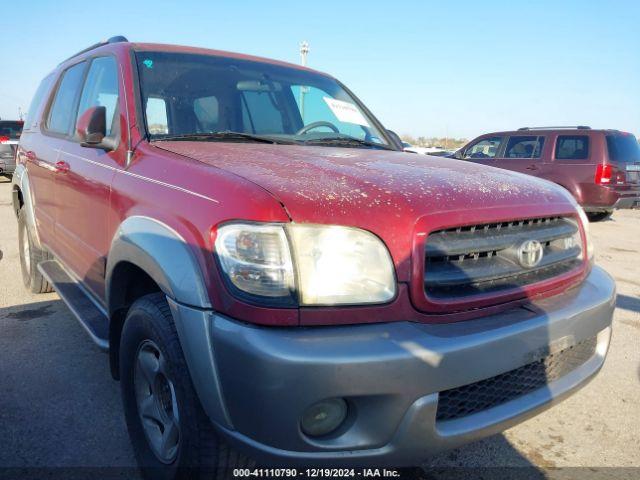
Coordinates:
column 623, row 148
column 524, row 147
column 31, row 120
column 11, row 129
column 572, row 147
column 63, row 108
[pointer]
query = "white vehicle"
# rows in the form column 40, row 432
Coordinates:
column 407, row 147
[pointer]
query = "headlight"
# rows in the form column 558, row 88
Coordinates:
column 333, row 265
column 585, row 225
column 341, row 265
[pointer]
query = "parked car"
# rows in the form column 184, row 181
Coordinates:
column 276, row 283
column 436, row 151
column 9, row 135
column 601, row 168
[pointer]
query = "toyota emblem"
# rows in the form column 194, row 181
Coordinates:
column 530, row 253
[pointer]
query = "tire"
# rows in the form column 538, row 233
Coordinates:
column 149, row 338
column 30, row 257
column 599, row 216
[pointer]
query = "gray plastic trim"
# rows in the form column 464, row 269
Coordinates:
column 390, row 375
column 163, row 254
column 194, row 331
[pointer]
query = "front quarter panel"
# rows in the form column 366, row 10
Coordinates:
column 181, row 200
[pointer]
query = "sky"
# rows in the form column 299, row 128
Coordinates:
column 424, row 68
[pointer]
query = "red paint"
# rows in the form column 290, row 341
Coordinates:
column 192, row 187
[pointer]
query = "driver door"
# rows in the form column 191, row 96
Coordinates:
column 484, row 150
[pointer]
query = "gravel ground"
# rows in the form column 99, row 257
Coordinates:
column 60, row 408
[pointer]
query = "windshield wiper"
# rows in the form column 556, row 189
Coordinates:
column 346, row 141
column 221, row 137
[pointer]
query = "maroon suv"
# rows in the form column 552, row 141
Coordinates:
column 269, row 272
column 601, row 168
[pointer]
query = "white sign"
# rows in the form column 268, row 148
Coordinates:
column 346, row 112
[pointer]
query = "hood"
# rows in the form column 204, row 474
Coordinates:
column 383, row 191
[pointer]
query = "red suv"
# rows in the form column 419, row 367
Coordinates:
column 601, row 168
column 269, row 271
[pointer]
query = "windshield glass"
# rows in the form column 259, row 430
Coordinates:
column 623, row 148
column 11, row 129
column 187, row 94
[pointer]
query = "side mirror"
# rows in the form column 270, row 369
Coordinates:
column 396, row 138
column 92, row 129
column 458, row 154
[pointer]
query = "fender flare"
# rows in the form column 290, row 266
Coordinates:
column 20, row 183
column 163, row 254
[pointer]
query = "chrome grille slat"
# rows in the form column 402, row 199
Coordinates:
column 447, row 243
column 484, row 258
column 492, row 269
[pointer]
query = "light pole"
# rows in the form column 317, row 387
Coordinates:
column 304, row 51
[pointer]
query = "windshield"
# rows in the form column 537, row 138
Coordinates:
column 623, row 148
column 11, row 129
column 191, row 94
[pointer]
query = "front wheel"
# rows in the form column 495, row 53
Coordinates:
column 599, row 216
column 171, row 435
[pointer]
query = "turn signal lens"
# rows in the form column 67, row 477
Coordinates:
column 256, row 260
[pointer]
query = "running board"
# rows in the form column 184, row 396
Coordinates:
column 92, row 318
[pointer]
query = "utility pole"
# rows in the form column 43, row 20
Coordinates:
column 20, row 114
column 304, row 51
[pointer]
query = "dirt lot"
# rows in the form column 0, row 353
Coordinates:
column 60, row 408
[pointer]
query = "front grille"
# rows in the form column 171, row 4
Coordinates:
column 482, row 395
column 490, row 258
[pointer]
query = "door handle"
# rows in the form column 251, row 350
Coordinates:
column 532, row 167
column 62, row 167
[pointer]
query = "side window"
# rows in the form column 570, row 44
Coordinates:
column 206, row 111
column 101, row 89
column 157, row 119
column 524, row 147
column 485, row 148
column 572, row 147
column 63, row 107
column 36, row 102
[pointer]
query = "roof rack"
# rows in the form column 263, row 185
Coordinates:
column 116, row 39
column 574, row 127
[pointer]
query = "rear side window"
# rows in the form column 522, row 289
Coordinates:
column 31, row 121
column 572, row 147
column 524, row 147
column 623, row 148
column 485, row 148
column 101, row 89
column 63, row 107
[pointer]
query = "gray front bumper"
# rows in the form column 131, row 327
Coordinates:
column 256, row 382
